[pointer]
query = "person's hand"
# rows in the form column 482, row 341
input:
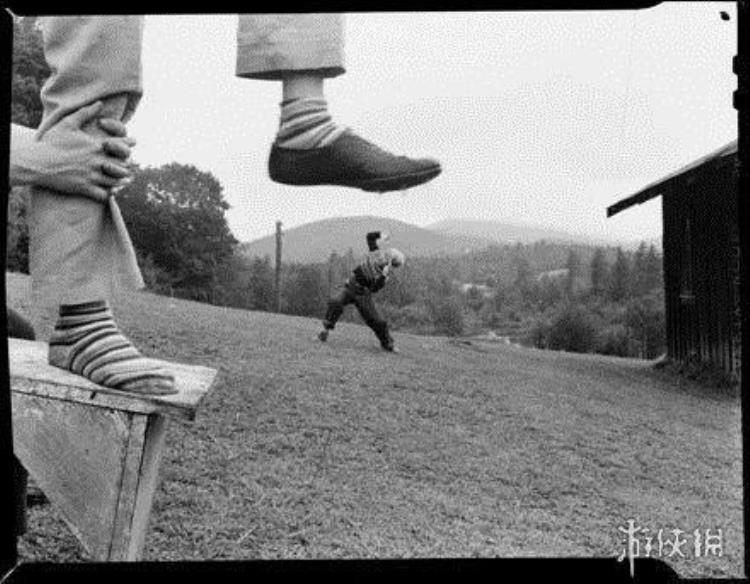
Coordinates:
column 69, row 160
column 84, row 164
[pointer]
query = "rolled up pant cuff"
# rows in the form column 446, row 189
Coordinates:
column 270, row 46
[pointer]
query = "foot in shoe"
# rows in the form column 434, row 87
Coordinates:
column 349, row 161
column 87, row 342
column 323, row 336
column 389, row 345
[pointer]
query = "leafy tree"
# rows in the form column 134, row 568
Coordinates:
column 401, row 289
column 599, row 272
column 415, row 317
column 18, row 231
column 614, row 340
column 474, row 298
column 500, row 295
column 447, row 316
column 245, row 283
column 638, row 270
column 525, row 287
column 156, row 279
column 647, row 269
column 303, row 291
column 175, row 215
column 645, row 318
column 439, row 284
column 652, row 270
column 573, row 265
column 574, row 329
column 522, row 281
column 620, row 284
column 29, row 72
column 260, row 285
column 551, row 292
column 488, row 315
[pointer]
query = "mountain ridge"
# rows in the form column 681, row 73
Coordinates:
column 315, row 241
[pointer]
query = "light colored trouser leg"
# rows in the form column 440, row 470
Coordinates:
column 269, row 46
column 78, row 247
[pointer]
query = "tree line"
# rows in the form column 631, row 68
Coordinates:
column 597, row 299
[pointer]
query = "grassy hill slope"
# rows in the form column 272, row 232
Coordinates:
column 450, row 448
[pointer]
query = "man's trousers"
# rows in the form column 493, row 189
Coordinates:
column 353, row 293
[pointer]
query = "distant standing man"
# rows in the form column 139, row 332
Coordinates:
column 367, row 278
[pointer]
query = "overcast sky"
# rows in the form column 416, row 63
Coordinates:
column 542, row 118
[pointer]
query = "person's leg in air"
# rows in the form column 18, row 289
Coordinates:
column 311, row 148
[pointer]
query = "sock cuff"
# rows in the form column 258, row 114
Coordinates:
column 304, row 102
column 83, row 308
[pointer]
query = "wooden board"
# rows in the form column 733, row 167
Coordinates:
column 31, row 374
column 75, row 454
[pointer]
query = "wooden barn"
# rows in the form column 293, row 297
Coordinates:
column 701, row 259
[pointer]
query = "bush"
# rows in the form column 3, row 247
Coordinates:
column 447, row 316
column 646, row 319
column 303, row 291
column 614, row 340
column 574, row 329
column 489, row 317
column 157, row 280
column 538, row 336
column 413, row 317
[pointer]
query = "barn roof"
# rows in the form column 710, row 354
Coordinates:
column 659, row 187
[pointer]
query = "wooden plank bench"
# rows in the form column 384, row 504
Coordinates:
column 95, row 452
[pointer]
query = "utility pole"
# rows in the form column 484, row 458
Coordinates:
column 278, row 267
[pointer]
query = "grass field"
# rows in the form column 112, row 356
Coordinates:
column 448, row 449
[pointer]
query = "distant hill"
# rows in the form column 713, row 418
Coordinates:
column 314, row 242
column 500, row 232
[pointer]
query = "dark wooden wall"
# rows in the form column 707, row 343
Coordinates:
column 701, row 266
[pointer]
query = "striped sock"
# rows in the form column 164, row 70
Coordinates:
column 86, row 341
column 306, row 124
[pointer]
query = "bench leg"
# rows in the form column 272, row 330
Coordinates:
column 20, row 482
column 140, row 479
column 97, row 466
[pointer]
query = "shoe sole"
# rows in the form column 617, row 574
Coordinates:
column 398, row 183
column 378, row 185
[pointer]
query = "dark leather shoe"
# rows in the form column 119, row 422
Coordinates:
column 350, row 161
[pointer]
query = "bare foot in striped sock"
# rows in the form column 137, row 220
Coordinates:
column 87, row 342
